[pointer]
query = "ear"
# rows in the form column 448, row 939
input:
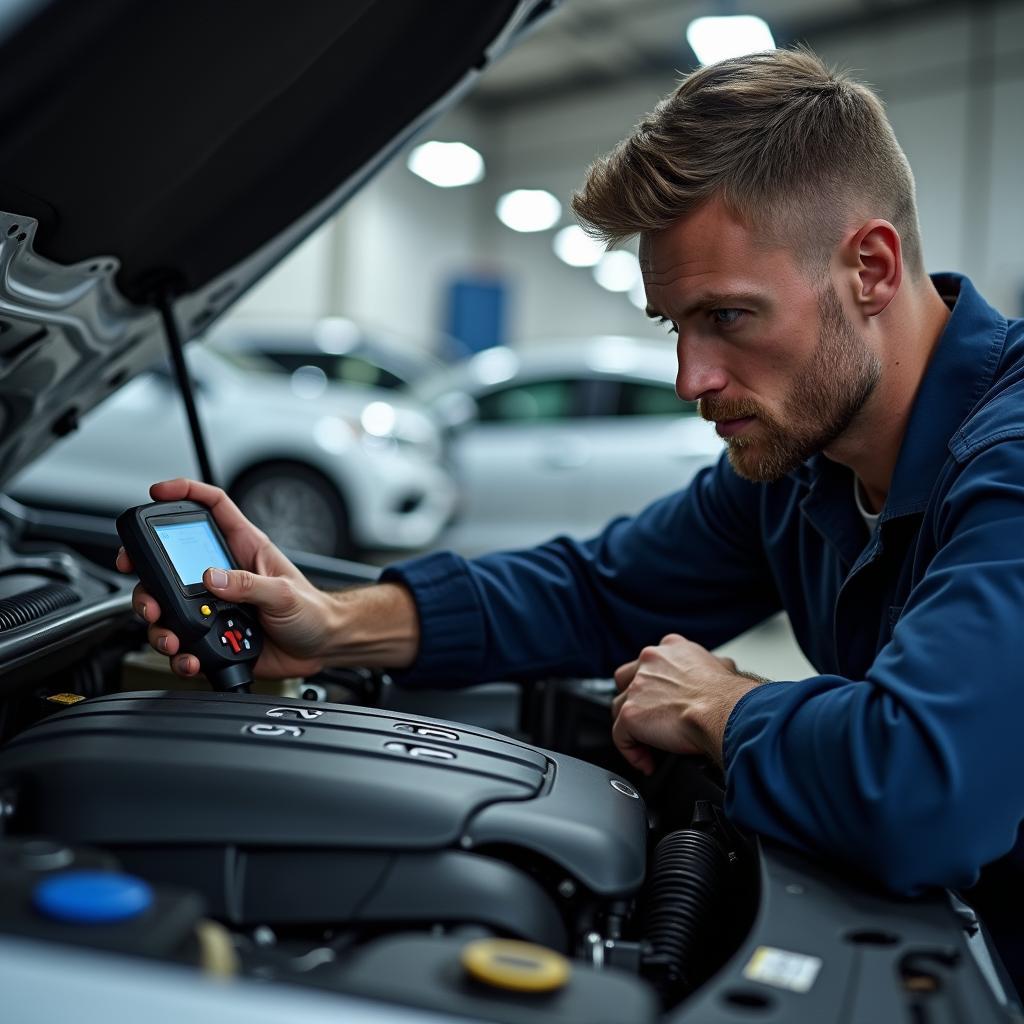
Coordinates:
column 874, row 255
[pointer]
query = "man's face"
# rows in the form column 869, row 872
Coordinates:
column 768, row 353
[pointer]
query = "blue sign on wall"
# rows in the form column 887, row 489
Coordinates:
column 476, row 312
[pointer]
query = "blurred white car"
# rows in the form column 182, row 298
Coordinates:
column 345, row 352
column 321, row 467
column 562, row 436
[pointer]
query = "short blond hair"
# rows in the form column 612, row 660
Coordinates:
column 791, row 146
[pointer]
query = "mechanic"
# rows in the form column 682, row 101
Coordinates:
column 873, row 488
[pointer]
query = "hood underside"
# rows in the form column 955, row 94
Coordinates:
column 181, row 150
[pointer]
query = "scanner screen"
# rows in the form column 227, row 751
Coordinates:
column 192, row 549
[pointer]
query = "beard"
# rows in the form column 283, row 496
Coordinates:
column 829, row 392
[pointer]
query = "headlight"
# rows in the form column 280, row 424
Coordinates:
column 335, row 434
column 384, row 426
column 378, row 419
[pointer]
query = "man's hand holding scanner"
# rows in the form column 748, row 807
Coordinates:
column 676, row 696
column 286, row 600
column 304, row 628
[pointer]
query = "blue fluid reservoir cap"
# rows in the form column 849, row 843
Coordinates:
column 92, row 897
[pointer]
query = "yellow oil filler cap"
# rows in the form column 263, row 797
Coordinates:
column 515, row 966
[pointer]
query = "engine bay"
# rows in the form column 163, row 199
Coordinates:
column 494, row 860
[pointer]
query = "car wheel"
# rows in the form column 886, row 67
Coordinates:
column 297, row 508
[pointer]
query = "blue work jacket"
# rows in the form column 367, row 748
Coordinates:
column 905, row 754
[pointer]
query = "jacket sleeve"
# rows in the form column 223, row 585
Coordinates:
column 691, row 563
column 912, row 774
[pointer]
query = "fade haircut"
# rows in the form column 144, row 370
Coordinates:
column 791, row 146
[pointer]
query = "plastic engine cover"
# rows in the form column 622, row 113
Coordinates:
column 235, row 793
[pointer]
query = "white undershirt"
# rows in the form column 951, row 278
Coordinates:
column 870, row 519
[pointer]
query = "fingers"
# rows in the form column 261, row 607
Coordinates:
column 617, row 705
column 161, row 639
column 123, row 562
column 225, row 511
column 624, row 674
column 145, row 606
column 164, row 641
column 272, row 594
column 637, row 754
column 185, row 665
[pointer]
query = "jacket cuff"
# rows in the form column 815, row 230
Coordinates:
column 451, row 651
column 746, row 718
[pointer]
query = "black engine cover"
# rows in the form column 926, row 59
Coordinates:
column 288, row 811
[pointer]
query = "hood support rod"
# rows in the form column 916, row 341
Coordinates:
column 176, row 348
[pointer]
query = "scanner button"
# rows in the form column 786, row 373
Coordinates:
column 206, row 609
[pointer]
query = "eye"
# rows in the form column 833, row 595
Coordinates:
column 672, row 329
column 726, row 317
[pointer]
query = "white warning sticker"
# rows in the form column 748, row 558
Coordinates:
column 783, row 969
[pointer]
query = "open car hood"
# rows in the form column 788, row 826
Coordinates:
column 180, row 151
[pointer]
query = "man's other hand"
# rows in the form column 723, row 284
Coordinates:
column 676, row 696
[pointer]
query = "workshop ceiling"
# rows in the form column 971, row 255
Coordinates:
column 588, row 43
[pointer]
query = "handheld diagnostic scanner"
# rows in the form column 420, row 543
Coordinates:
column 172, row 544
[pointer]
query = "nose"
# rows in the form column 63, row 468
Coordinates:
column 699, row 372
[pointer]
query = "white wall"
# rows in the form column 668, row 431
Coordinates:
column 402, row 240
column 961, row 125
column 390, row 254
column 387, row 258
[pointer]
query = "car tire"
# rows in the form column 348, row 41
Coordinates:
column 296, row 506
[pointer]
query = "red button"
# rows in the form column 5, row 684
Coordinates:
column 231, row 640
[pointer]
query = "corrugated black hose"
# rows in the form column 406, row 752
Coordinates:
column 34, row 604
column 687, row 906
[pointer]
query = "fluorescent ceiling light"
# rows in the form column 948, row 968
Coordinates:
column 575, row 247
column 529, row 209
column 447, row 164
column 715, row 39
column 638, row 295
column 617, row 271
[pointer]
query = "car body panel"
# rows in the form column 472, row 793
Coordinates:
column 140, row 434
column 579, row 463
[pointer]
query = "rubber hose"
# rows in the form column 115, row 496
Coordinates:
column 687, row 891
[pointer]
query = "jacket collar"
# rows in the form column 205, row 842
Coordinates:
column 960, row 372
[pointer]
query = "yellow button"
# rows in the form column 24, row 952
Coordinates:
column 515, row 966
column 206, row 609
